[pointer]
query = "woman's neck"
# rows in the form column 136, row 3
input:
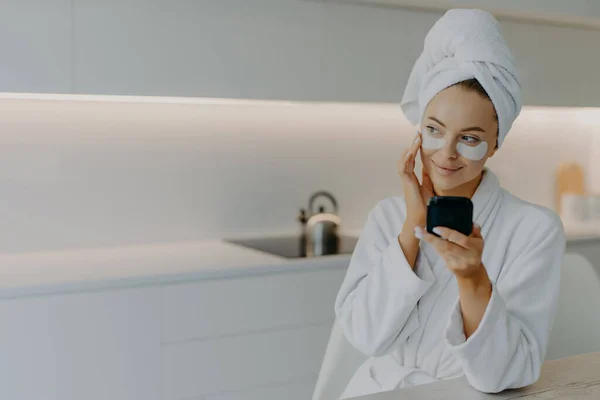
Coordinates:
column 467, row 189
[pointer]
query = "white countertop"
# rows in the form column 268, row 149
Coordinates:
column 580, row 231
column 74, row 270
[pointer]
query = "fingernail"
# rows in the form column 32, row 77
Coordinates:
column 407, row 156
column 477, row 226
column 417, row 139
column 437, row 231
column 418, row 232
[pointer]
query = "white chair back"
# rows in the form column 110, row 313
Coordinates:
column 339, row 364
column 576, row 328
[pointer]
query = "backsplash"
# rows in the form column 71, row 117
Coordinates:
column 97, row 173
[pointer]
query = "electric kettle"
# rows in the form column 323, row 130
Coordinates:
column 320, row 230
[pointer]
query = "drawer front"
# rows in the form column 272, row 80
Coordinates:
column 243, row 363
column 289, row 391
column 218, row 308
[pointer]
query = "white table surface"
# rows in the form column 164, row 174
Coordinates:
column 575, row 377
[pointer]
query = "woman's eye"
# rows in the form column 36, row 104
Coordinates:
column 432, row 130
column 471, row 140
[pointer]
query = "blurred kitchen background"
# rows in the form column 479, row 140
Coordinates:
column 139, row 136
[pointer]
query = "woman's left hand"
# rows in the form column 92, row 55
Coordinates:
column 461, row 253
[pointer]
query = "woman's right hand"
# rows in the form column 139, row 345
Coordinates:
column 416, row 195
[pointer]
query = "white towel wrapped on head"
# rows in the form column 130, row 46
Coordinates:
column 462, row 45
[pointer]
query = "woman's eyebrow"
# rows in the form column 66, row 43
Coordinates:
column 473, row 129
column 470, row 129
column 437, row 120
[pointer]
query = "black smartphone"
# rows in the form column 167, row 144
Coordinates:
column 452, row 212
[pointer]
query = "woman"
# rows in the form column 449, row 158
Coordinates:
column 426, row 308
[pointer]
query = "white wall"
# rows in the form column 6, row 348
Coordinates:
column 90, row 174
column 100, row 173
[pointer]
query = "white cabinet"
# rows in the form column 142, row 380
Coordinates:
column 250, row 337
column 242, row 363
column 212, row 309
column 370, row 52
column 573, row 12
column 294, row 391
column 259, row 49
column 330, row 50
column 557, row 65
column 247, row 337
column 81, row 346
column 592, row 8
column 35, row 39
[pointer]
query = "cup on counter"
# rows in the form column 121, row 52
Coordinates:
column 575, row 207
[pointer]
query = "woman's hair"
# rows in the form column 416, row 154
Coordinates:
column 473, row 85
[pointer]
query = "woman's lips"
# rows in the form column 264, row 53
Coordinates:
column 446, row 171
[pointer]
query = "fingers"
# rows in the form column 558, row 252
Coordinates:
column 458, row 259
column 412, row 153
column 452, row 236
column 476, row 233
column 406, row 164
column 443, row 246
column 409, row 163
column 415, row 146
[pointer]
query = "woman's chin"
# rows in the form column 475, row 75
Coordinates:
column 444, row 183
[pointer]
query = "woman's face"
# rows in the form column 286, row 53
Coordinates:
column 458, row 117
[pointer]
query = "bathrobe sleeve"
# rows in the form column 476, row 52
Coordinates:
column 508, row 348
column 375, row 306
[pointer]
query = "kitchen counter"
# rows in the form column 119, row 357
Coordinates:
column 568, row 378
column 581, row 231
column 75, row 270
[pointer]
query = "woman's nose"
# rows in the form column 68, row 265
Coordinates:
column 449, row 149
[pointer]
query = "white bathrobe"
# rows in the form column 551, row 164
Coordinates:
column 410, row 323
